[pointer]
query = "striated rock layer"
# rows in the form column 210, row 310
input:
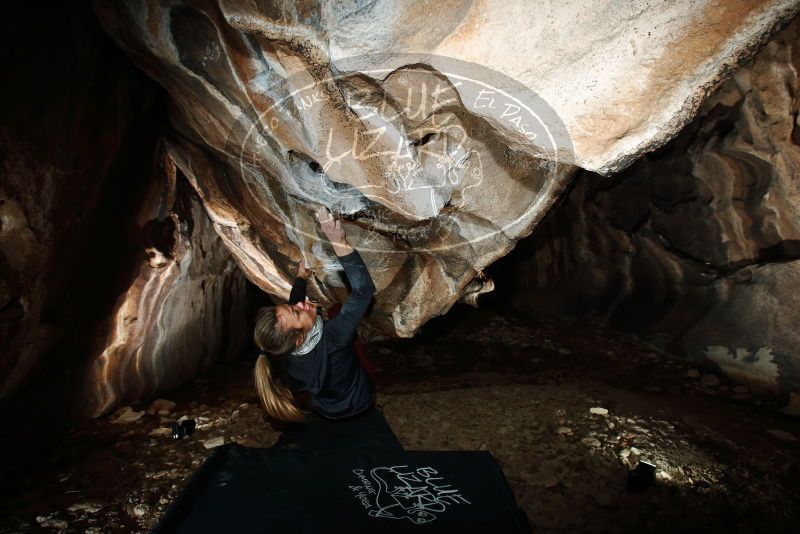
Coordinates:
column 111, row 287
column 183, row 311
column 71, row 151
column 443, row 133
column 697, row 246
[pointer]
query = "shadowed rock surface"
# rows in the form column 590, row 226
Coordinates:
column 113, row 283
column 697, row 246
column 183, row 311
column 441, row 144
column 567, row 408
column 280, row 107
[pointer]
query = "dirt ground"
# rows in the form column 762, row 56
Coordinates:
column 566, row 408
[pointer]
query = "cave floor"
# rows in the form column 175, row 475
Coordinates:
column 566, row 408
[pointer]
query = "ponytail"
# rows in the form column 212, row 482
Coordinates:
column 276, row 398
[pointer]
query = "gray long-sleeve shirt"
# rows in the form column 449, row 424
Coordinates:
column 331, row 372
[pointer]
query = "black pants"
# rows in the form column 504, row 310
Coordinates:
column 368, row 429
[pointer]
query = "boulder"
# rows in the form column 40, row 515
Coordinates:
column 442, row 135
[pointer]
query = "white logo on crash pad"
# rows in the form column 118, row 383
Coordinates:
column 399, row 492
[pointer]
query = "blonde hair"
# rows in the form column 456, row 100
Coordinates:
column 277, row 399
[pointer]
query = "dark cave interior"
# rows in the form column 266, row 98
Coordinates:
column 635, row 323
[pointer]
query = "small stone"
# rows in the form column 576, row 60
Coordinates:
column 598, row 411
column 88, row 507
column 591, row 442
column 126, row 415
column 161, row 407
column 247, row 442
column 709, row 380
column 566, row 351
column 663, row 475
column 163, row 501
column 214, row 442
column 48, row 521
column 781, row 434
column 693, row 373
column 160, row 432
column 203, row 423
column 140, row 510
column 563, row 430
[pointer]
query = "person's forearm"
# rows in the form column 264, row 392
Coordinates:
column 298, row 293
column 342, row 248
column 357, row 274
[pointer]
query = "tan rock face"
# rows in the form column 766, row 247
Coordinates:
column 183, row 311
column 60, row 187
column 112, row 286
column 441, row 134
column 697, row 245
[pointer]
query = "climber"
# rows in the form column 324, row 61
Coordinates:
column 302, row 354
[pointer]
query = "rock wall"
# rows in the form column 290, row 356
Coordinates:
column 443, row 134
column 183, row 311
column 73, row 140
column 696, row 246
column 87, row 320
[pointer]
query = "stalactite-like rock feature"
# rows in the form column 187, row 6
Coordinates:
column 183, row 311
column 697, row 246
column 443, row 134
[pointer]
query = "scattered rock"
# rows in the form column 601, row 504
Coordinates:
column 214, row 442
column 709, row 380
column 140, row 510
column 591, row 442
column 49, row 521
column 781, row 434
column 204, row 423
column 161, row 407
column 598, row 411
column 86, row 507
column 663, row 475
column 247, row 442
column 160, row 432
column 126, row 415
column 563, row 430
